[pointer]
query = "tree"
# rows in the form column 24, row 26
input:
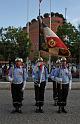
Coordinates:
column 14, row 42
column 46, row 15
column 24, row 44
column 39, row 17
column 70, row 36
column 33, row 20
column 52, row 14
column 57, row 14
column 79, row 42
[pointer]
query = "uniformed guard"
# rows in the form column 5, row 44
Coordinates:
column 64, row 78
column 52, row 75
column 40, row 75
column 17, row 77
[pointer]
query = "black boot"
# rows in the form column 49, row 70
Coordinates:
column 13, row 111
column 35, row 103
column 40, row 109
column 18, row 109
column 63, row 110
column 59, row 110
column 55, row 102
column 37, row 109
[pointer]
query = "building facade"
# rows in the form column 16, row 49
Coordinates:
column 34, row 33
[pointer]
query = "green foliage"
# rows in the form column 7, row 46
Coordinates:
column 46, row 15
column 71, row 37
column 14, row 42
column 33, row 20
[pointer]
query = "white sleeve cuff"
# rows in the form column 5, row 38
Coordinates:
column 24, row 85
column 10, row 79
column 58, row 79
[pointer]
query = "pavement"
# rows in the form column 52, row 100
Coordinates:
column 50, row 115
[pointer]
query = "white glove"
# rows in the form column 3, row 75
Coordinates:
column 70, row 83
column 60, row 79
column 70, row 86
column 10, row 78
column 52, row 77
column 33, row 76
column 39, row 85
column 24, row 85
column 56, row 79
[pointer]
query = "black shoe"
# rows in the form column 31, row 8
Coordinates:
column 19, row 110
column 64, row 111
column 41, row 111
column 59, row 111
column 35, row 104
column 37, row 110
column 14, row 111
column 55, row 104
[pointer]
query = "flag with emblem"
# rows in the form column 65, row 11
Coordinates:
column 53, row 44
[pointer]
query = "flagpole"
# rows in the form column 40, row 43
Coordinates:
column 27, row 60
column 28, row 18
column 50, row 14
column 39, row 29
column 65, row 14
column 50, row 28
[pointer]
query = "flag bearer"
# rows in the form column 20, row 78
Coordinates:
column 40, row 75
column 64, row 78
column 17, row 77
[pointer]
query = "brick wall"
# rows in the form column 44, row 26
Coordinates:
column 34, row 32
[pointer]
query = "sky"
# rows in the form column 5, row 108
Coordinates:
column 18, row 12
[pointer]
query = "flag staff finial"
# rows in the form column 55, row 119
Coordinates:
column 65, row 14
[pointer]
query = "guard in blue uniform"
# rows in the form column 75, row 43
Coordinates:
column 40, row 76
column 17, row 76
column 52, row 75
column 64, row 78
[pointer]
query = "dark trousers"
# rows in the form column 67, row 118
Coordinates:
column 55, row 92
column 62, row 94
column 39, row 94
column 17, row 94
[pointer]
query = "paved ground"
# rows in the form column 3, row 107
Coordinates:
column 50, row 115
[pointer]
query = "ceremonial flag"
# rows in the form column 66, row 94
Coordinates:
column 52, row 43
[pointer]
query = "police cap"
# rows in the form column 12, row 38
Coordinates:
column 63, row 59
column 18, row 59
